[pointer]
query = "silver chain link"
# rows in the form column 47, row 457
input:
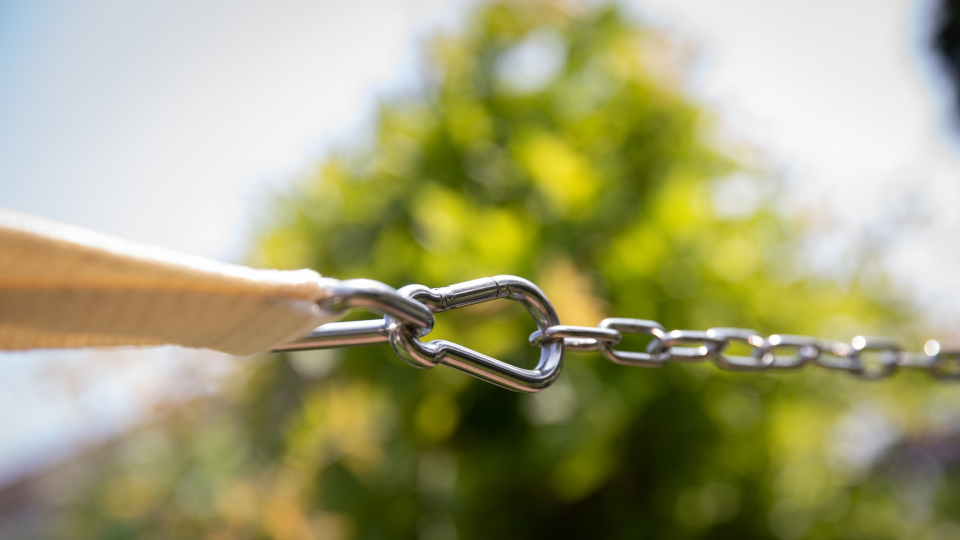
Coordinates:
column 408, row 316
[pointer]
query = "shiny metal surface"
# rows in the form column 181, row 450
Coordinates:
column 362, row 293
column 674, row 353
column 921, row 361
column 379, row 297
column 807, row 351
column 408, row 316
column 654, row 357
column 576, row 338
column 424, row 355
column 758, row 361
column 337, row 335
column 835, row 355
column 889, row 357
column 941, row 360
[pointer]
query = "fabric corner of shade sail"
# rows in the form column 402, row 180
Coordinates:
column 63, row 287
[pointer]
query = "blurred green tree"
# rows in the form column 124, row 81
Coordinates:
column 557, row 145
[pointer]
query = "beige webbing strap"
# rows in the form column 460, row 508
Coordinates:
column 63, row 286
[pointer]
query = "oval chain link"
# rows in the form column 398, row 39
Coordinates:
column 408, row 315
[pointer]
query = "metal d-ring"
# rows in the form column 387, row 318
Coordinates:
column 426, row 355
column 380, row 297
column 368, row 294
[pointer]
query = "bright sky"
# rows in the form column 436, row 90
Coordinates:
column 162, row 121
column 847, row 102
column 169, row 122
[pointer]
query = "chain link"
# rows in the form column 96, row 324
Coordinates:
column 409, row 315
column 944, row 365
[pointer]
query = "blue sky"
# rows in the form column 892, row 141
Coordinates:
column 161, row 121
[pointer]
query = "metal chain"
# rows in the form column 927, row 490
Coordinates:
column 408, row 316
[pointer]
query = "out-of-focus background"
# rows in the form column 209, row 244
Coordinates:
column 790, row 167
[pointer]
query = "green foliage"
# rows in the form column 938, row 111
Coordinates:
column 597, row 182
